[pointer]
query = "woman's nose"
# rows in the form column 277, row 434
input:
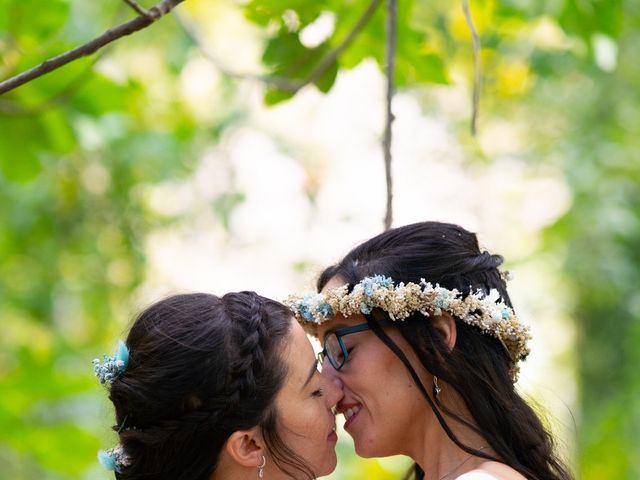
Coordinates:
column 332, row 385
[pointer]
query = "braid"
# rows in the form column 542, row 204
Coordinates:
column 250, row 355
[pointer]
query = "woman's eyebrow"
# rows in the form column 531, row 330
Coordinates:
column 314, row 369
column 334, row 327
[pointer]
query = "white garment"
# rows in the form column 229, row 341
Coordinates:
column 476, row 475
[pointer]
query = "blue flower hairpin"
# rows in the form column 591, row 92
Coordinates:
column 112, row 367
column 114, row 459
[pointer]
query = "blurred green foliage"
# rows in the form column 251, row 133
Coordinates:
column 79, row 147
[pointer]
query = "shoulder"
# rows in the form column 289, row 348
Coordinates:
column 476, row 475
column 492, row 471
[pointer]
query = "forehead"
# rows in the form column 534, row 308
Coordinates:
column 297, row 343
column 333, row 283
column 299, row 353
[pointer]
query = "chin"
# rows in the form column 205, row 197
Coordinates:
column 366, row 449
column 328, row 466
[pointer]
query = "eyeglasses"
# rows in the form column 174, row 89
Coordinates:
column 334, row 348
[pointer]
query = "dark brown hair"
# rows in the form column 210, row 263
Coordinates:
column 201, row 367
column 478, row 366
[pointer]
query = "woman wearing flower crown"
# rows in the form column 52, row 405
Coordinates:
column 417, row 325
column 209, row 388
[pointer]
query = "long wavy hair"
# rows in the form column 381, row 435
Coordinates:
column 478, row 366
column 201, row 367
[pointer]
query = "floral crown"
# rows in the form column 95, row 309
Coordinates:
column 487, row 312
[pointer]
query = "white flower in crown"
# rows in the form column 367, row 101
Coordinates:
column 486, row 312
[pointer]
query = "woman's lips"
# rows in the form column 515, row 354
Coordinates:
column 332, row 438
column 350, row 415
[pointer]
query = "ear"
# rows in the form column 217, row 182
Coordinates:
column 445, row 324
column 246, row 447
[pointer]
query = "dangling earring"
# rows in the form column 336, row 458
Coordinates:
column 261, row 467
column 436, row 387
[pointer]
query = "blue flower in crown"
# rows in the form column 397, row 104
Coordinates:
column 505, row 313
column 112, row 367
column 365, row 309
column 114, row 459
column 304, row 307
column 442, row 301
column 325, row 310
column 369, row 282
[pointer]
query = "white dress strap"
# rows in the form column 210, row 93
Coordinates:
column 476, row 475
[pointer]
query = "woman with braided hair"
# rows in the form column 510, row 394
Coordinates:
column 417, row 325
column 211, row 388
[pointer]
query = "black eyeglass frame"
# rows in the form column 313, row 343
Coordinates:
column 339, row 333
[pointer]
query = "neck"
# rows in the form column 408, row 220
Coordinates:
column 438, row 455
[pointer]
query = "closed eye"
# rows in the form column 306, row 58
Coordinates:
column 317, row 393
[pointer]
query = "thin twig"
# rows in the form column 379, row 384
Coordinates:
column 477, row 79
column 390, row 57
column 138, row 23
column 282, row 83
column 333, row 55
column 192, row 32
column 138, row 8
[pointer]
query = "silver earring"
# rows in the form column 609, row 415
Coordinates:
column 436, row 387
column 261, row 467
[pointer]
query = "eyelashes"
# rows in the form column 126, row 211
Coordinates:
column 317, row 393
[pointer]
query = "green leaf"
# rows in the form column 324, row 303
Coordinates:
column 20, row 149
column 99, row 95
column 586, row 18
column 290, row 59
column 264, row 12
column 60, row 136
column 430, row 68
column 328, row 78
column 273, row 96
column 285, row 50
column 33, row 24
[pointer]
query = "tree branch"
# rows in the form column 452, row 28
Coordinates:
column 138, row 23
column 14, row 108
column 390, row 56
column 477, row 79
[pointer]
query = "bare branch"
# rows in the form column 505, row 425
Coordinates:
column 390, row 57
column 477, row 69
column 138, row 23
